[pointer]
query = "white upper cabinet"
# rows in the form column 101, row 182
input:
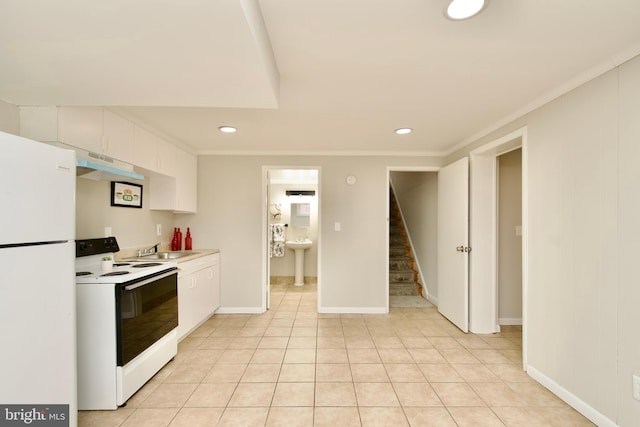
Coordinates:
column 118, row 137
column 186, row 181
column 145, row 149
column 167, row 157
column 173, row 171
column 154, row 153
column 90, row 128
column 81, row 127
column 178, row 192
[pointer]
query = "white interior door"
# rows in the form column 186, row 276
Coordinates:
column 453, row 243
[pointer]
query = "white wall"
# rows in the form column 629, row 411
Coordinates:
column 583, row 184
column 132, row 227
column 352, row 261
column 572, row 222
column 628, row 228
column 9, row 118
column 417, row 194
column 509, row 243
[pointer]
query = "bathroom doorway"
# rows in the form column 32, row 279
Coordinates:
column 291, row 233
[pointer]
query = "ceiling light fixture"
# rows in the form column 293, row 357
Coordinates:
column 227, row 129
column 403, row 131
column 458, row 10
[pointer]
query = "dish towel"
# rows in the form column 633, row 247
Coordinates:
column 276, row 245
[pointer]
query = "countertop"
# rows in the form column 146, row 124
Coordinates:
column 131, row 255
column 196, row 253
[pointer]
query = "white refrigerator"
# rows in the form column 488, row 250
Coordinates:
column 37, row 282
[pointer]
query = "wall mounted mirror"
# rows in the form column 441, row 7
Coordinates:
column 300, row 214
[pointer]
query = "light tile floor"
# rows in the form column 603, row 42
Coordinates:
column 294, row 367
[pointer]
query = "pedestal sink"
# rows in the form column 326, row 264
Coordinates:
column 298, row 247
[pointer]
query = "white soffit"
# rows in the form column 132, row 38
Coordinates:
column 197, row 53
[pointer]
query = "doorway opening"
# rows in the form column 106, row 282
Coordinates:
column 412, row 236
column 509, row 227
column 292, row 234
column 488, row 308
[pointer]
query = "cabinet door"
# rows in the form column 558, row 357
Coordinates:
column 81, row 127
column 145, row 149
column 207, row 292
column 211, row 293
column 186, row 182
column 216, row 285
column 118, row 137
column 166, row 158
column 187, row 299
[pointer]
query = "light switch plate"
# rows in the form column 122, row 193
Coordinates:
column 158, row 229
column 108, row 232
column 337, row 226
column 636, row 387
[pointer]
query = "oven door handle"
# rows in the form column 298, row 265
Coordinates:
column 149, row 280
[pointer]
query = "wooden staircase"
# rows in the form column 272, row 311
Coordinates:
column 403, row 276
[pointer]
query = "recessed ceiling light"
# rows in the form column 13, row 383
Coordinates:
column 227, row 129
column 403, row 131
column 458, row 10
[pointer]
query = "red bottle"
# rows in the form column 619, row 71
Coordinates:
column 174, row 241
column 187, row 241
column 179, row 248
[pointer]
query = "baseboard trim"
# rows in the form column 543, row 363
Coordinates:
column 353, row 310
column 578, row 404
column 239, row 310
column 510, row 321
column 433, row 300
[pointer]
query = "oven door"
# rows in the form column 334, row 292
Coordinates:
column 146, row 310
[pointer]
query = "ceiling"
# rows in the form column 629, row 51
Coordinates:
column 310, row 77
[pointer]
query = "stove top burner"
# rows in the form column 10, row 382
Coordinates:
column 82, row 273
column 121, row 264
column 147, row 264
column 114, row 273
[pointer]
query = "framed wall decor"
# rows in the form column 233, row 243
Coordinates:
column 126, row 194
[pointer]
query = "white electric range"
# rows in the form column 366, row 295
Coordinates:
column 127, row 318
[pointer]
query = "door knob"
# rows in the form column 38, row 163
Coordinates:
column 460, row 249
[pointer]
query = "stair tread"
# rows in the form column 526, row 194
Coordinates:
column 401, row 259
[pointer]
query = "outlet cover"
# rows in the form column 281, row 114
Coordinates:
column 636, row 387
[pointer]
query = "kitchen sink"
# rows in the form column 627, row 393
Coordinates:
column 165, row 255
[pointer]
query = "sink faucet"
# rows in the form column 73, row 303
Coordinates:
column 149, row 251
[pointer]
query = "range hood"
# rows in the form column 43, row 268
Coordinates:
column 99, row 167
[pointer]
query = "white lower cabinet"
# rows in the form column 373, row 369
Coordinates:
column 198, row 292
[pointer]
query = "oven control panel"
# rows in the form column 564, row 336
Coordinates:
column 103, row 245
